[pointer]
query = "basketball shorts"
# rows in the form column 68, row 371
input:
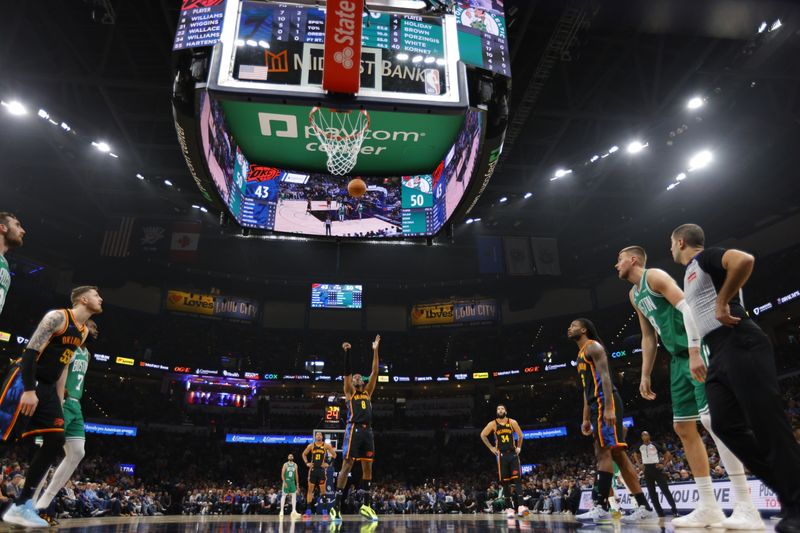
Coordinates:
column 73, row 420
column 508, row 466
column 688, row 396
column 359, row 443
column 608, row 436
column 289, row 486
column 47, row 418
column 317, row 476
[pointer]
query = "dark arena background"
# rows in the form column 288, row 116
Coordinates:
column 241, row 199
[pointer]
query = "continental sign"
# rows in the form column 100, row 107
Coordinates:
column 212, row 306
column 457, row 312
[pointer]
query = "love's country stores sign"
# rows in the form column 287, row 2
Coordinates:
column 456, row 312
column 212, row 306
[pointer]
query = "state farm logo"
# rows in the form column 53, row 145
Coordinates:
column 344, row 58
column 344, row 32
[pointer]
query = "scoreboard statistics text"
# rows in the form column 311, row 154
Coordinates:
column 334, row 296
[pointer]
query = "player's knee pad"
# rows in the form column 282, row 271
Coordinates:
column 75, row 450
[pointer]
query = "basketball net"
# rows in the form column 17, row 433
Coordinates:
column 340, row 134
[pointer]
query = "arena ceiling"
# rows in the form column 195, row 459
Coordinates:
column 587, row 75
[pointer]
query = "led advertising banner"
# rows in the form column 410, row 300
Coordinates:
column 212, row 306
column 268, row 439
column 457, row 312
column 545, row 433
column 108, row 429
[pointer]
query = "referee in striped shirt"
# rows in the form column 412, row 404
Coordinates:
column 741, row 378
column 648, row 456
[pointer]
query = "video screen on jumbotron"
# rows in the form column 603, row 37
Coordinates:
column 335, row 296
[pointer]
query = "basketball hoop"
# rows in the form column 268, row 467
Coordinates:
column 340, row 134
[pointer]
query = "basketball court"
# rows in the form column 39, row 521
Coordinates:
column 400, row 523
column 292, row 216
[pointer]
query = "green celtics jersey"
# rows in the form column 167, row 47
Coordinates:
column 666, row 320
column 290, row 474
column 77, row 373
column 5, row 281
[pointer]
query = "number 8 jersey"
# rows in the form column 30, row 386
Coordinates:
column 360, row 409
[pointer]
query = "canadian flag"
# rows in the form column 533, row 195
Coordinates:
column 185, row 238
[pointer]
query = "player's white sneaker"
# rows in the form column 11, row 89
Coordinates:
column 24, row 515
column 597, row 514
column 510, row 513
column 295, row 514
column 640, row 515
column 744, row 516
column 522, row 511
column 701, row 517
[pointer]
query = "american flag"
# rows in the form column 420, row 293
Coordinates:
column 253, row 72
column 117, row 238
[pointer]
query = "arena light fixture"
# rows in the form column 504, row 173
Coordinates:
column 477, row 220
column 204, row 210
column 65, row 126
column 251, row 42
column 503, row 199
column 112, row 154
column 441, row 61
column 695, row 102
column 102, row 146
column 195, row 206
column 671, row 186
column 775, row 25
column 681, row 176
column 469, row 221
column 402, row 57
column 634, row 147
column 560, row 173
column 528, row 195
column 53, row 122
column 139, row 176
column 263, row 44
column 613, row 149
column 239, row 42
column 594, row 158
column 43, row 114
column 700, row 160
column 762, row 27
column 429, row 60
column 15, row 107
column 416, row 59
column 168, row 183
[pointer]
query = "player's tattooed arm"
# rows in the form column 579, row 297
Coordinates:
column 53, row 321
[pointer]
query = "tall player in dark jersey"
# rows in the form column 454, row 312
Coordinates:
column 29, row 402
column 507, row 446
column 359, row 443
column 603, row 406
column 322, row 455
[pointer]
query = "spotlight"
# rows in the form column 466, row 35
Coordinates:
column 195, row 206
column 251, row 42
column 469, row 221
column 239, row 42
column 503, row 199
column 695, row 102
column 429, row 60
column 762, row 27
column 44, row 114
column 594, row 158
column 528, row 195
column 112, row 154
column 204, row 210
column 672, row 186
column 635, row 147
column 613, row 149
column 477, row 220
column 15, row 108
column 65, row 126
column 139, row 176
column 681, row 176
column 102, row 146
column 441, row 61
column 775, row 25
column 700, row 160
column 402, row 57
column 416, row 59
column 168, row 183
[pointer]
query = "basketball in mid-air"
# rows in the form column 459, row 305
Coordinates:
column 356, row 187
